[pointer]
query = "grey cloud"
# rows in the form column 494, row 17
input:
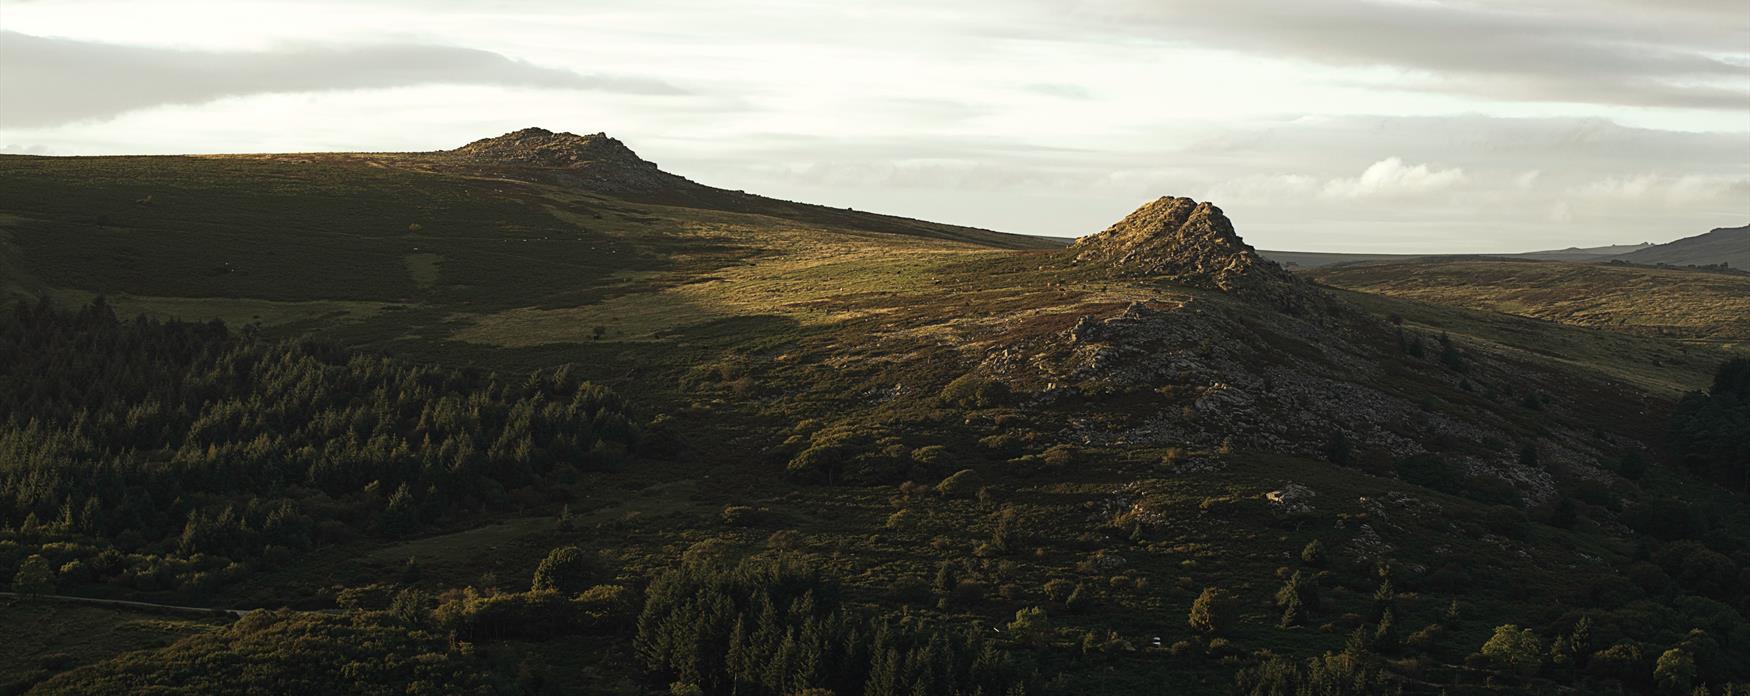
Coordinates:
column 1641, row 53
column 49, row 81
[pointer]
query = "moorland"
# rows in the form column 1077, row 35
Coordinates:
column 536, row 416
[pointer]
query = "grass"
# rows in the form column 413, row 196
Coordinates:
column 44, row 638
column 424, row 268
column 1658, row 365
column 1705, row 307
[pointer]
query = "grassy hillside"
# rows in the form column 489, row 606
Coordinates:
column 956, row 437
column 1726, row 245
column 1690, row 305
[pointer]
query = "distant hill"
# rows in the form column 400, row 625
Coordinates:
column 1598, row 253
column 1321, row 259
column 604, row 165
column 1727, row 245
column 1626, row 299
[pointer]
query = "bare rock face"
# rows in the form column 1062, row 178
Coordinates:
column 1192, row 244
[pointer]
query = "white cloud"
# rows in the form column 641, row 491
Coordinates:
column 1697, row 189
column 1263, row 188
column 1621, row 187
column 1560, row 212
column 1722, row 191
column 1391, row 178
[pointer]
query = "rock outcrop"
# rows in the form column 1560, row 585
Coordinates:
column 596, row 161
column 540, row 147
column 1192, row 244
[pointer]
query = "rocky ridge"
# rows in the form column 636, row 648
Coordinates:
column 544, row 148
column 596, row 161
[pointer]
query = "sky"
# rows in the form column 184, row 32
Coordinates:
column 1384, row 126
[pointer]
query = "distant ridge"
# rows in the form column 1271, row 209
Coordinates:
column 1724, row 245
column 603, row 164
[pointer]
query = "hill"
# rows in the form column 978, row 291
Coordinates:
column 1727, row 245
column 1646, row 301
column 601, row 164
column 824, row 449
column 1321, row 259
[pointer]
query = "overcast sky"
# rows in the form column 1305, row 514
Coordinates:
column 1394, row 125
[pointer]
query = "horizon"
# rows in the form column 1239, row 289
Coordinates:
column 1384, row 127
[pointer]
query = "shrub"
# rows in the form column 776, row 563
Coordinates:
column 1079, row 600
column 683, row 688
column 411, row 606
column 1425, row 637
column 1698, row 568
column 972, row 391
column 1059, row 456
column 564, row 570
column 962, row 484
column 1293, row 611
column 1059, row 590
column 476, row 617
column 1674, row 673
column 375, row 596
column 946, row 579
column 740, row 515
column 1212, row 612
column 1175, row 456
column 897, row 519
column 784, row 539
column 1313, row 554
column 1624, row 661
column 1301, row 590
column 1031, row 625
column 34, row 577
column 930, row 455
column 1514, row 648
column 608, row 605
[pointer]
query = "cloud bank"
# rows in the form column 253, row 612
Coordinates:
column 49, row 81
